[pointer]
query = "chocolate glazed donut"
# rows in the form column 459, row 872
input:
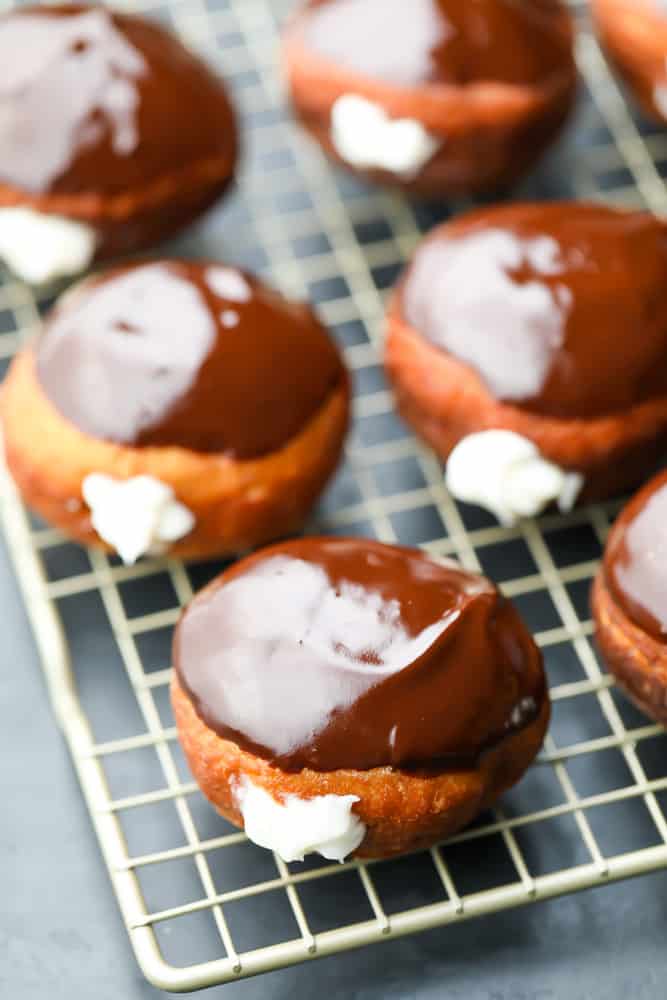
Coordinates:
column 475, row 88
column 252, row 370
column 546, row 320
column 106, row 119
column 348, row 667
column 193, row 374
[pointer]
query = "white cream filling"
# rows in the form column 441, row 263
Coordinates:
column 39, row 247
column 366, row 137
column 296, row 827
column 135, row 516
column 506, row 474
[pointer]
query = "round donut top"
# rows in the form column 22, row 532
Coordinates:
column 442, row 41
column 191, row 354
column 635, row 559
column 347, row 653
column 101, row 102
column 560, row 308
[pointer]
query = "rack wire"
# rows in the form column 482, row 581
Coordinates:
column 201, row 904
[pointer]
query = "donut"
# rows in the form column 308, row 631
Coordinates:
column 439, row 97
column 527, row 344
column 629, row 598
column 175, row 406
column 354, row 698
column 113, row 137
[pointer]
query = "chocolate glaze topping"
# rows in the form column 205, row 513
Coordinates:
column 186, row 353
column 443, row 41
column 635, row 560
column 336, row 653
column 560, row 308
column 92, row 101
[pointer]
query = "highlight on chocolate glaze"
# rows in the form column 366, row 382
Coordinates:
column 329, row 653
column 94, row 100
column 439, row 41
column 44, row 56
column 560, row 308
column 252, row 370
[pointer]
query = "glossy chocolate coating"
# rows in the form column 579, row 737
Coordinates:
column 442, row 41
column 337, row 653
column 635, row 560
column 561, row 308
column 186, row 353
column 93, row 101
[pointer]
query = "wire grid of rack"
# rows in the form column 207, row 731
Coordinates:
column 202, row 905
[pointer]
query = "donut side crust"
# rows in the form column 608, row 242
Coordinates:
column 402, row 810
column 138, row 218
column 637, row 660
column 444, row 400
column 237, row 504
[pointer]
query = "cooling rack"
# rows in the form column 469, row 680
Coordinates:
column 201, row 904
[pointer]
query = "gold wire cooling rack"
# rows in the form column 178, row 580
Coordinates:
column 201, row 904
